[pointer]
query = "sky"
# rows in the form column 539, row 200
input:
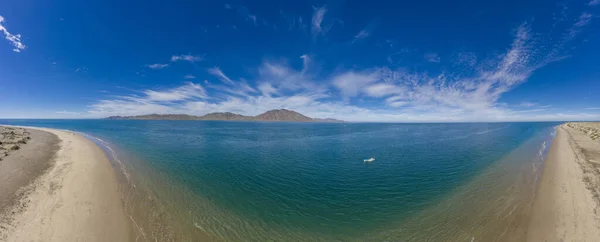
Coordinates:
column 373, row 61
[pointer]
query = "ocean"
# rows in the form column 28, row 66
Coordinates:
column 267, row 181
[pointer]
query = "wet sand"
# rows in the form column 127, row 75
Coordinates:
column 60, row 187
column 565, row 207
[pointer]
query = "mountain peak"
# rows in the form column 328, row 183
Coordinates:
column 282, row 115
column 271, row 115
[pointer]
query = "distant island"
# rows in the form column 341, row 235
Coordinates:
column 271, row 115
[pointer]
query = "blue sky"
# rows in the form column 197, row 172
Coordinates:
column 391, row 61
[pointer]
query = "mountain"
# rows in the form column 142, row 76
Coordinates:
column 224, row 116
column 282, row 115
column 271, row 115
column 156, row 117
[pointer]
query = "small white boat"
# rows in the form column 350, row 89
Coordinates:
column 369, row 160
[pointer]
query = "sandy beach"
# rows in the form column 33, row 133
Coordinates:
column 565, row 207
column 58, row 186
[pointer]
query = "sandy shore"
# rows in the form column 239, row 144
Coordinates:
column 565, row 207
column 68, row 192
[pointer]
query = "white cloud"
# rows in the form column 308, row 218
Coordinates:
column 157, row 66
column 594, row 2
column 350, row 83
column 584, row 19
column 432, row 57
column 301, row 24
column 189, row 77
column 317, row 21
column 253, row 18
column 383, row 89
column 81, row 69
column 69, row 113
column 527, row 104
column 244, row 12
column 285, row 77
column 366, row 32
column 267, row 89
column 185, row 92
column 190, row 58
column 15, row 40
column 361, row 35
column 215, row 71
column 188, row 99
column 305, row 62
column 394, row 101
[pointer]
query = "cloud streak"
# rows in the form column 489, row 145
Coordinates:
column 361, row 35
column 157, row 66
column 216, row 71
column 14, row 39
column 245, row 13
column 317, row 21
column 188, row 58
column 185, row 92
column 432, row 57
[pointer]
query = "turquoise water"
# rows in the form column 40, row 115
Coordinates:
column 252, row 181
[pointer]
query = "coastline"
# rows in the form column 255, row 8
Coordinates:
column 77, row 198
column 565, row 205
column 540, row 212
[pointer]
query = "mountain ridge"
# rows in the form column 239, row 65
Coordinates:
column 275, row 115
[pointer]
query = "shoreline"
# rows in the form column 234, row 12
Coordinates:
column 562, row 206
column 77, row 198
column 566, row 202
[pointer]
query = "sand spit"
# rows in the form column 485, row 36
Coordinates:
column 76, row 198
column 567, row 199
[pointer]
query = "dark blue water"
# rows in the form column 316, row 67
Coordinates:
column 289, row 181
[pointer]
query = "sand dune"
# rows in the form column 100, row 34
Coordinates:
column 76, row 199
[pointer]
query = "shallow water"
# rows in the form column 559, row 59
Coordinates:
column 256, row 181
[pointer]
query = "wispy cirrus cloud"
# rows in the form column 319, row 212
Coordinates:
column 364, row 33
column 157, row 66
column 81, row 69
column 69, row 113
column 361, row 35
column 317, row 21
column 432, row 57
column 216, row 71
column 189, row 77
column 527, row 104
column 14, row 39
column 583, row 20
column 594, row 2
column 245, row 13
column 188, row 91
column 351, row 82
column 293, row 22
column 188, row 57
